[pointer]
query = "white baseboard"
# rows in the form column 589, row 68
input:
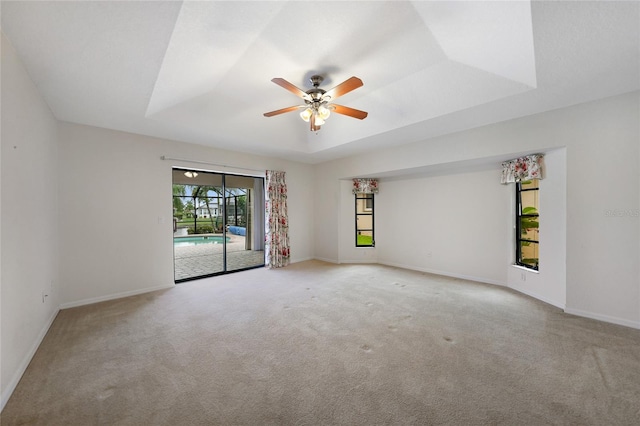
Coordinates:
column 304, row 259
column 538, row 297
column 605, row 318
column 112, row 297
column 445, row 273
column 11, row 386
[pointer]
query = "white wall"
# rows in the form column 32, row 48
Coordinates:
column 454, row 224
column 602, row 176
column 29, row 218
column 116, row 209
column 327, row 218
column 602, row 143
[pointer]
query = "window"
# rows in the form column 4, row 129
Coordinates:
column 527, row 223
column 364, row 220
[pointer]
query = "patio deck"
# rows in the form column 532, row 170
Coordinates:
column 206, row 259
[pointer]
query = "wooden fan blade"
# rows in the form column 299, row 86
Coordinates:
column 283, row 110
column 344, row 87
column 290, row 87
column 351, row 112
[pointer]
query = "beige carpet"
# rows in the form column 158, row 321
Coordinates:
column 321, row 344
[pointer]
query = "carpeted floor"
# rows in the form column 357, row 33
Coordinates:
column 321, row 344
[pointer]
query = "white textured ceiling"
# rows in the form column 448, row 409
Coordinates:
column 200, row 71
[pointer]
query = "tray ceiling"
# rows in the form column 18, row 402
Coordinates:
column 200, row 72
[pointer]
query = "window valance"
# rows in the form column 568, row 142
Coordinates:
column 523, row 168
column 365, row 186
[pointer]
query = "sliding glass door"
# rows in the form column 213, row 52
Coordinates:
column 218, row 223
column 244, row 205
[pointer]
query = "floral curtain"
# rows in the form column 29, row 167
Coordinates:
column 365, row 186
column 276, row 220
column 523, row 168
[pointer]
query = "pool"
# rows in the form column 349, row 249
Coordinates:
column 194, row 241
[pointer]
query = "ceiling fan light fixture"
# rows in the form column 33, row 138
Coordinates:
column 324, row 112
column 190, row 174
column 306, row 114
column 319, row 120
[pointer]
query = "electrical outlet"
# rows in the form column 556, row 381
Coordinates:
column 44, row 295
column 523, row 276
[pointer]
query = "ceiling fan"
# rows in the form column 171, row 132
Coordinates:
column 317, row 107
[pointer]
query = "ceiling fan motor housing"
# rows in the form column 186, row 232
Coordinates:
column 316, row 93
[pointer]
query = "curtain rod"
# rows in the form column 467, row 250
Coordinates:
column 210, row 164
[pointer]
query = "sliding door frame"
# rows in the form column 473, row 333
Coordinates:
column 255, row 197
